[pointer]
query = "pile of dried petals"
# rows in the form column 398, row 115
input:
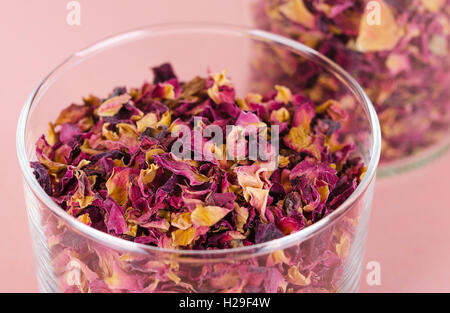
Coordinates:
column 108, row 163
column 397, row 50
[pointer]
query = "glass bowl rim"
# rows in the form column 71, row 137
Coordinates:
column 219, row 28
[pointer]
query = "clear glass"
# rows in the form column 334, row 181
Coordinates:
column 404, row 68
column 73, row 257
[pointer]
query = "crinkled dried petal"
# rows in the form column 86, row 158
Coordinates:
column 118, row 184
column 343, row 247
column 113, row 105
column 52, row 137
column 258, row 200
column 296, row 11
column 277, row 257
column 181, row 220
column 73, row 114
column 115, row 220
column 85, row 219
column 297, row 139
column 121, row 280
column 149, row 174
column 128, row 135
column 242, row 215
column 297, row 278
column 83, row 195
column 208, row 215
column 180, row 168
column 284, row 94
column 165, row 120
column 248, row 176
column 280, row 116
column 183, row 237
column 149, row 120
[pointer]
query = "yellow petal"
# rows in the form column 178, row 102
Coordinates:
column 433, row 5
column 86, row 148
column 324, row 191
column 132, row 230
column 173, row 277
column 278, row 257
column 165, row 120
column 220, row 79
column 109, row 134
column 258, row 199
column 283, row 161
column 241, row 217
column 253, row 98
column 296, row 11
column 397, row 63
column 168, row 92
column 374, row 36
column 52, row 138
column 181, row 220
column 248, row 176
column 117, row 185
column 182, row 237
column 128, row 134
column 113, row 105
column 281, row 115
column 438, row 45
column 83, row 195
column 298, row 138
column 149, row 120
column 213, row 93
column 85, row 219
column 208, row 215
column 343, row 247
column 52, row 167
column 148, row 175
column 297, row 278
column 82, row 164
column 283, row 95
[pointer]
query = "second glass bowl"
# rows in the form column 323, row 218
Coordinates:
column 398, row 51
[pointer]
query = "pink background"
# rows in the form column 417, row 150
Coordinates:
column 410, row 225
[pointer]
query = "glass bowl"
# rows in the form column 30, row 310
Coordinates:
column 73, row 257
column 397, row 50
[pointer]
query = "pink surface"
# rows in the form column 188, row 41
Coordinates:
column 410, row 225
